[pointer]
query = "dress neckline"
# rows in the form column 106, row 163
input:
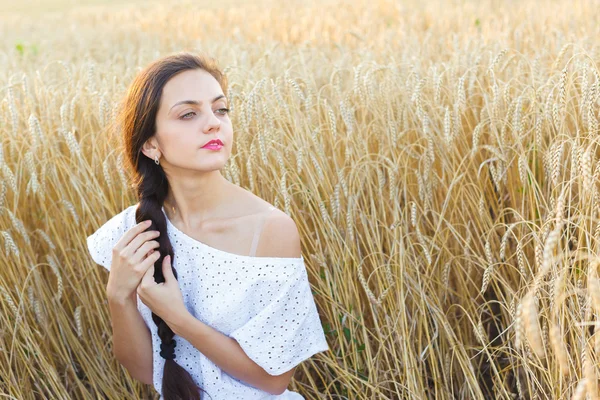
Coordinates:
column 224, row 253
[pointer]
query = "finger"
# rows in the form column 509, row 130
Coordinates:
column 166, row 266
column 150, row 260
column 141, row 246
column 132, row 233
column 148, row 276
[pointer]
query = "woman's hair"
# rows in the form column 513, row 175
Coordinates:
column 138, row 124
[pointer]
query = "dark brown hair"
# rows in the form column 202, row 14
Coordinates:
column 138, row 124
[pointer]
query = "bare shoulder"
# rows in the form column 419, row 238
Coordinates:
column 279, row 236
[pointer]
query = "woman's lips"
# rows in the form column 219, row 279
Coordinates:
column 213, row 146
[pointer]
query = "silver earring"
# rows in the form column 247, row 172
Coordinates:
column 156, row 160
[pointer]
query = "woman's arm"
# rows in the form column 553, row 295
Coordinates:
column 227, row 354
column 132, row 340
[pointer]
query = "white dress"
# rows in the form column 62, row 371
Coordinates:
column 264, row 303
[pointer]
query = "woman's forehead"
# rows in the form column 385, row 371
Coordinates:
column 196, row 85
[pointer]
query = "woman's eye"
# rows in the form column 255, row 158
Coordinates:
column 191, row 112
column 223, row 111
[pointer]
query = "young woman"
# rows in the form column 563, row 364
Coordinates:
column 199, row 263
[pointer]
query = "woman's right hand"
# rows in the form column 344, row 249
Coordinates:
column 132, row 255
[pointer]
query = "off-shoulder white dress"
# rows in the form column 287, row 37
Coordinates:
column 264, row 303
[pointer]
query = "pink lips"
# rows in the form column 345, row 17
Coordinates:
column 214, row 144
column 212, row 147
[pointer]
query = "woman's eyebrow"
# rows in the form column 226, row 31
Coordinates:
column 197, row 102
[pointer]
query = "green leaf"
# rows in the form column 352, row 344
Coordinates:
column 578, row 269
column 362, row 376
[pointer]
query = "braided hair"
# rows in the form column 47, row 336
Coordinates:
column 137, row 121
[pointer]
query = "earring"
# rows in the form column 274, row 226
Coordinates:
column 156, row 160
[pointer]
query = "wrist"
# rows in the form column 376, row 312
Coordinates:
column 178, row 320
column 121, row 299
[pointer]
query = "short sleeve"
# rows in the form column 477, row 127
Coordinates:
column 100, row 243
column 288, row 330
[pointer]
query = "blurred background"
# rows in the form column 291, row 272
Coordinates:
column 440, row 159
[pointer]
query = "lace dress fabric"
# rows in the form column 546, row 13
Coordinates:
column 264, row 303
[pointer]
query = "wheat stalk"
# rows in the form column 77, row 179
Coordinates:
column 589, row 372
column 77, row 316
column 531, row 324
column 9, row 301
column 557, row 344
column 9, row 244
column 580, row 390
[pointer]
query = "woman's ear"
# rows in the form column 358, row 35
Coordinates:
column 150, row 148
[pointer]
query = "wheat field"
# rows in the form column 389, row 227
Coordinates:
column 440, row 159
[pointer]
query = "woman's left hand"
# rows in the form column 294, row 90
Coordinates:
column 165, row 298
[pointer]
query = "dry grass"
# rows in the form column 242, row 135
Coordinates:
column 440, row 159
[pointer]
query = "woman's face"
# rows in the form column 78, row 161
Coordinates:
column 189, row 116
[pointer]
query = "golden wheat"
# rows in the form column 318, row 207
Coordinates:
column 446, row 186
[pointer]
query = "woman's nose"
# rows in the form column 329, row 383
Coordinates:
column 212, row 124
